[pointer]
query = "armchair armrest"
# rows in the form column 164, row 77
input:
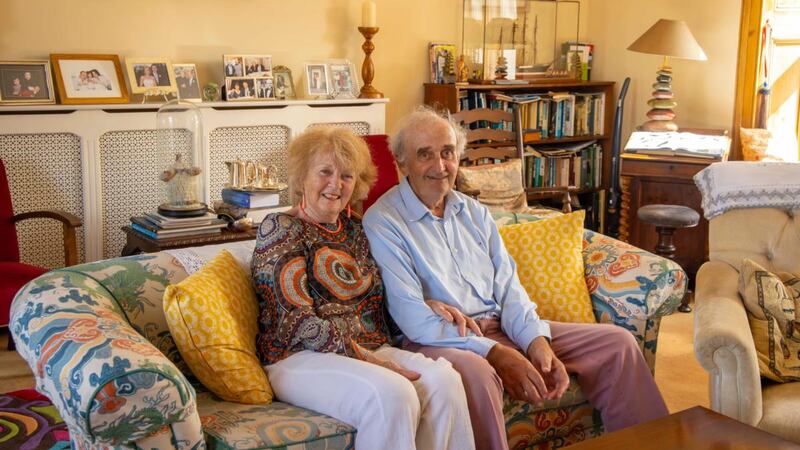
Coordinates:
column 724, row 346
column 69, row 223
column 626, row 282
column 109, row 383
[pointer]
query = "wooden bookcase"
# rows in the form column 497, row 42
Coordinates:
column 448, row 95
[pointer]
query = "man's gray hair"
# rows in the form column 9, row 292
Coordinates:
column 422, row 116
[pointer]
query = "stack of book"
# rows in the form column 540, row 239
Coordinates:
column 255, row 205
column 157, row 226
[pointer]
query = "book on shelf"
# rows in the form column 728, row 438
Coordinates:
column 185, row 233
column 679, row 143
column 577, row 164
column 173, row 222
column 144, row 222
column 247, row 199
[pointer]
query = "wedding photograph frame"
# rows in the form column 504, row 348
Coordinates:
column 317, row 82
column 284, row 84
column 76, row 86
column 147, row 74
column 187, row 89
column 26, row 82
column 343, row 80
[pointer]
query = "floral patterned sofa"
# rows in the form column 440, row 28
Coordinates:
column 97, row 340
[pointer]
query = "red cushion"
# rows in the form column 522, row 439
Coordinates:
column 9, row 251
column 12, row 277
column 387, row 172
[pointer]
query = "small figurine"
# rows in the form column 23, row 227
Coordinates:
column 181, row 183
column 462, row 75
column 501, row 70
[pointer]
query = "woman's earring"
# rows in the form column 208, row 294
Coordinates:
column 348, row 210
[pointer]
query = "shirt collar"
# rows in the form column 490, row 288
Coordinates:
column 415, row 210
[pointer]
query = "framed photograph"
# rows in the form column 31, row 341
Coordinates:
column 89, row 78
column 343, row 80
column 26, row 83
column 284, row 85
column 187, row 82
column 233, row 65
column 265, row 88
column 240, row 88
column 146, row 74
column 257, row 65
column 317, row 79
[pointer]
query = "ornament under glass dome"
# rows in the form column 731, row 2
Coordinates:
column 179, row 128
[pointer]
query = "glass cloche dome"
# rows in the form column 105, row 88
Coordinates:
column 179, row 127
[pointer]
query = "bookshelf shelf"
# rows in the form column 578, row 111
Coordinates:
column 451, row 97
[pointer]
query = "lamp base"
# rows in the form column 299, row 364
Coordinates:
column 659, row 125
column 661, row 116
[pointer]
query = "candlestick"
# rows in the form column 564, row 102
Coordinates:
column 367, row 68
column 368, row 10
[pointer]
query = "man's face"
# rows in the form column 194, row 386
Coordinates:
column 431, row 160
column 27, row 75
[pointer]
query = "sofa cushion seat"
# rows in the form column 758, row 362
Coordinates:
column 565, row 421
column 276, row 425
column 781, row 406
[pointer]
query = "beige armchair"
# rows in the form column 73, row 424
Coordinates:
column 722, row 339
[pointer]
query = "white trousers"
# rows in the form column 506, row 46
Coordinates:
column 387, row 410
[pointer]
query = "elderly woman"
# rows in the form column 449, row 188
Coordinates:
column 323, row 334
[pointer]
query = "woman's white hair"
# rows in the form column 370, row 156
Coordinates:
column 422, row 116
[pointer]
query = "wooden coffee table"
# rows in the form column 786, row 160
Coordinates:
column 138, row 243
column 693, row 428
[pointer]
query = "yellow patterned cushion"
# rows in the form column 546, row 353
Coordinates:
column 549, row 257
column 212, row 316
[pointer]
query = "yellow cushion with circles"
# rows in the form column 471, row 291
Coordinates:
column 212, row 315
column 549, row 257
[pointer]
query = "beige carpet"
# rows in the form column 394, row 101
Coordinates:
column 682, row 381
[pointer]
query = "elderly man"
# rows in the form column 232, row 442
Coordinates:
column 439, row 249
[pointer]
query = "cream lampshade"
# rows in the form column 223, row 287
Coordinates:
column 666, row 38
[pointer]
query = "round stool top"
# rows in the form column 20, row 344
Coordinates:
column 673, row 216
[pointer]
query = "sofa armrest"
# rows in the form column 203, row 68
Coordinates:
column 110, row 384
column 724, row 346
column 626, row 282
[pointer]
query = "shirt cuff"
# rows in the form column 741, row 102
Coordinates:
column 481, row 345
column 531, row 332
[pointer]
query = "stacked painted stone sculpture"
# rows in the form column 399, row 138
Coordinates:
column 661, row 115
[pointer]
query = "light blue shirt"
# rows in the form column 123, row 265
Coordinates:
column 458, row 259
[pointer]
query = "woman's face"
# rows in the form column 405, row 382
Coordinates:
column 327, row 188
column 148, row 71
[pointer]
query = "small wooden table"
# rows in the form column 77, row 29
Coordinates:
column 138, row 243
column 691, row 429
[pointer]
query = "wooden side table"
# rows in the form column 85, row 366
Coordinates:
column 648, row 180
column 138, row 243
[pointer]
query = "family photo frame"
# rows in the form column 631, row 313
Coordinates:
column 88, row 78
column 187, row 82
column 150, row 74
column 26, row 83
column 334, row 78
column 248, row 77
column 284, row 85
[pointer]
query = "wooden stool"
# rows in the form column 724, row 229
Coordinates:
column 667, row 219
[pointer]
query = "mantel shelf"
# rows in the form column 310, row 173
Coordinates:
column 150, row 107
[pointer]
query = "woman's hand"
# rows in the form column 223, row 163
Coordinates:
column 454, row 316
column 391, row 365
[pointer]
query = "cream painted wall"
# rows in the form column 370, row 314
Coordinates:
column 704, row 89
column 295, row 31
column 201, row 31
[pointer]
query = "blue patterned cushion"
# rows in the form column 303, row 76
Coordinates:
column 277, row 425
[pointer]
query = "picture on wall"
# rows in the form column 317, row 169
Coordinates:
column 86, row 78
column 187, row 82
column 26, row 83
column 148, row 74
column 317, row 79
column 284, row 85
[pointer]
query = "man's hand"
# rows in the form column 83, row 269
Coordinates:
column 454, row 316
column 522, row 381
column 551, row 368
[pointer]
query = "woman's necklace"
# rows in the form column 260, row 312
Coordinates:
column 307, row 218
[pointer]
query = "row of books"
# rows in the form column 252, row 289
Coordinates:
column 238, row 204
column 157, row 226
column 544, row 116
column 580, row 166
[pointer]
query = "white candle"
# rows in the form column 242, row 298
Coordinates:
column 368, row 14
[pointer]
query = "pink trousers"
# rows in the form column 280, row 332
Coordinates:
column 611, row 371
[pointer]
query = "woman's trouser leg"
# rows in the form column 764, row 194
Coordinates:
column 381, row 405
column 445, row 421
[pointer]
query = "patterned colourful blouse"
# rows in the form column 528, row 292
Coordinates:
column 318, row 289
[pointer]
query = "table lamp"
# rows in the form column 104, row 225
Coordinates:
column 666, row 38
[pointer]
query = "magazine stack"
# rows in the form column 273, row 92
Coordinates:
column 160, row 227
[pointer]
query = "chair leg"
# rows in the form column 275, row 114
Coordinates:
column 684, row 306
